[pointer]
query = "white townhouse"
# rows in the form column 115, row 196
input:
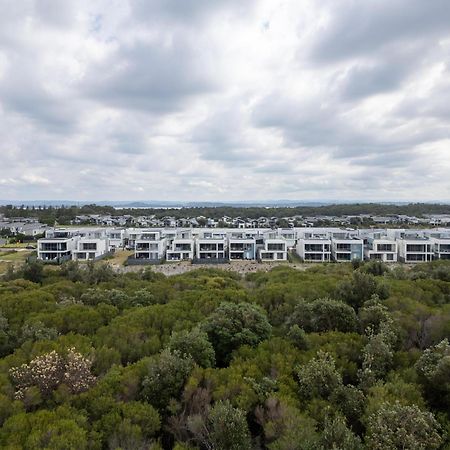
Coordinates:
column 413, row 246
column 91, row 244
column 149, row 245
column 289, row 235
column 379, row 246
column 440, row 240
column 58, row 245
column 314, row 247
column 346, row 246
column 211, row 245
column 273, row 248
column 241, row 246
column 181, row 247
column 116, row 238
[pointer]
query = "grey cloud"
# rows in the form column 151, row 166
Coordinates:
column 150, row 77
column 186, row 11
column 363, row 27
column 363, row 80
column 221, row 137
column 22, row 92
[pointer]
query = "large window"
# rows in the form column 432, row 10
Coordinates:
column 416, row 247
column 314, row 247
column 275, row 247
column 385, row 247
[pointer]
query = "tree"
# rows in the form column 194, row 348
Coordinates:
column 33, row 270
column 372, row 314
column 377, row 359
column 337, row 436
column 165, row 379
column 433, row 368
column 193, row 343
column 134, row 426
column 285, row 427
column 49, row 371
column 233, row 325
column 359, row 288
column 396, row 426
column 225, row 428
column 324, row 315
column 298, row 337
column 319, row 377
column 36, row 331
column 62, row 428
column 350, row 401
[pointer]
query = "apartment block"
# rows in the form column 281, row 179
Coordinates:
column 274, row 249
column 314, row 247
column 181, row 247
column 346, row 247
column 381, row 249
column 149, row 245
column 211, row 246
column 414, row 248
column 440, row 240
column 57, row 246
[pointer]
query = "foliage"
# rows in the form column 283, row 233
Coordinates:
column 233, row 325
column 165, row 378
column 319, row 377
column 195, row 344
column 360, row 288
column 324, row 315
column 47, row 372
column 332, row 357
column 396, row 426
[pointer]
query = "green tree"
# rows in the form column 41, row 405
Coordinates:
column 226, row 428
column 396, row 426
column 319, row 377
column 433, row 368
column 233, row 325
column 165, row 378
column 33, row 270
column 324, row 315
column 61, row 429
column 360, row 288
column 193, row 343
column 337, row 436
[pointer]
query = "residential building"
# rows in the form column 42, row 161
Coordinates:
column 274, row 249
column 242, row 247
column 211, row 245
column 182, row 247
column 381, row 249
column 149, row 245
column 414, row 247
column 314, row 247
column 57, row 246
column 345, row 246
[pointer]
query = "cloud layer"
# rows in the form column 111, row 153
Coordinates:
column 225, row 100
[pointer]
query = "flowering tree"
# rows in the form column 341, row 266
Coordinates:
column 50, row 370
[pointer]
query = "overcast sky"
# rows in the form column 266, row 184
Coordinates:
column 225, row 99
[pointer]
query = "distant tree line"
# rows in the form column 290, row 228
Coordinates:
column 63, row 215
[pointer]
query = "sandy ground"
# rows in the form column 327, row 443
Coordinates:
column 242, row 267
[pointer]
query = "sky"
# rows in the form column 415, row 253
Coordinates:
column 221, row 100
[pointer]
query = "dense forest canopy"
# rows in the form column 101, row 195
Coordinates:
column 63, row 215
column 333, row 357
